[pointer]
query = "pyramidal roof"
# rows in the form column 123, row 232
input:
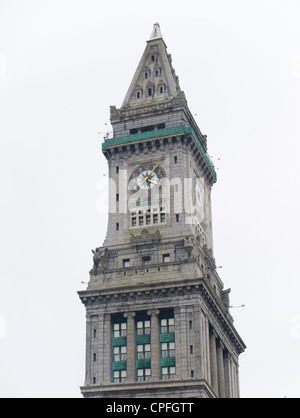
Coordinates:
column 154, row 79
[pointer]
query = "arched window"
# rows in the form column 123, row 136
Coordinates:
column 162, row 88
column 138, row 93
column 157, row 71
column 150, row 89
column 153, row 58
column 146, row 72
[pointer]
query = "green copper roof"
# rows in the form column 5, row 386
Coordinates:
column 158, row 133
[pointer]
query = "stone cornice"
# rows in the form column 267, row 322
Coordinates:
column 163, row 386
column 129, row 112
column 161, row 133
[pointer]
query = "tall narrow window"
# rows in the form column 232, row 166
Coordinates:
column 143, row 347
column 119, row 349
column 117, row 226
column 167, row 345
column 149, row 92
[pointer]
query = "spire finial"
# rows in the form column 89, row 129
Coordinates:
column 156, row 33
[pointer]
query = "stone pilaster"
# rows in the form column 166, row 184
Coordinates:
column 155, row 355
column 227, row 372
column 213, row 361
column 88, row 377
column 130, row 346
column 221, row 375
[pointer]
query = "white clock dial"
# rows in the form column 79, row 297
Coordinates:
column 147, row 179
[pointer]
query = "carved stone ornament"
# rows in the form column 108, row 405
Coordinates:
column 100, row 259
column 145, row 236
column 179, row 100
column 114, row 112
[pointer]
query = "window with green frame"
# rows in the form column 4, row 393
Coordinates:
column 167, row 325
column 168, row 349
column 119, row 349
column 119, row 376
column 143, row 347
column 167, row 345
column 143, row 351
column 143, row 327
column 143, row 374
column 168, row 372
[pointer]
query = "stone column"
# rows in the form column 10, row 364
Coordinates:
column 207, row 350
column 107, row 349
column 221, row 374
column 155, row 355
column 181, row 343
column 213, row 361
column 88, row 361
column 227, row 372
column 130, row 346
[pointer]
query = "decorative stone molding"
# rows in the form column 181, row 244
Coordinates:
column 145, row 236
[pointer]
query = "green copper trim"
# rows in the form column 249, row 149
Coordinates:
column 119, row 365
column 168, row 362
column 118, row 342
column 143, row 339
column 143, row 364
column 158, row 133
column 167, row 337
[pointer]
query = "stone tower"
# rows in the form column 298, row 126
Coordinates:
column 158, row 321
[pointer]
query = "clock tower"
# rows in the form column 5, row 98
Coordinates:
column 158, row 320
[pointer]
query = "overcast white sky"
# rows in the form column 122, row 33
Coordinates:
column 62, row 63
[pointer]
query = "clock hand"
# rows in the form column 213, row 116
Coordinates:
column 153, row 181
column 146, row 178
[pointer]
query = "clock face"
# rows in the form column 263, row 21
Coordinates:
column 145, row 177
